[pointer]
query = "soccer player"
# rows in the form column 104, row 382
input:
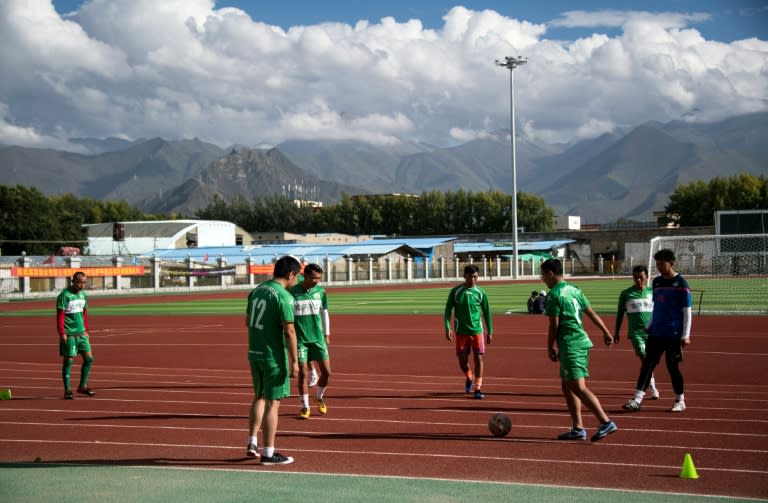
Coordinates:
column 669, row 330
column 272, row 356
column 637, row 303
column 468, row 302
column 72, row 326
column 313, row 333
column 565, row 305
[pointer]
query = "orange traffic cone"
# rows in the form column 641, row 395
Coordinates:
column 688, row 471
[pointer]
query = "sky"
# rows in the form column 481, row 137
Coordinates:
column 257, row 73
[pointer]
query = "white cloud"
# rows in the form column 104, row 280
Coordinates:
column 182, row 68
column 616, row 19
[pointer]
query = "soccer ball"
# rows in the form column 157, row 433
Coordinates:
column 499, row 425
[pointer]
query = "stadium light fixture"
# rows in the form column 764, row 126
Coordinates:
column 511, row 62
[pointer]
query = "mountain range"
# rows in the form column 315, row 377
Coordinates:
column 627, row 174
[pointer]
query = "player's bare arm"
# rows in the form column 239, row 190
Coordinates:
column 607, row 338
column 554, row 326
column 617, row 328
column 289, row 332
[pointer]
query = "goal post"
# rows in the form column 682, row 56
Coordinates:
column 729, row 272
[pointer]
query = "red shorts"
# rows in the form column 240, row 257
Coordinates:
column 465, row 342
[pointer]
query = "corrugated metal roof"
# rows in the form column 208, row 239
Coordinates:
column 500, row 247
column 419, row 243
column 266, row 253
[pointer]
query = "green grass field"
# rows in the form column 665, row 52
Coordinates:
column 710, row 296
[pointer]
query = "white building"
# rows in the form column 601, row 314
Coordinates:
column 141, row 238
column 567, row 223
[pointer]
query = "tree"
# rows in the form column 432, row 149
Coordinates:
column 695, row 203
column 533, row 213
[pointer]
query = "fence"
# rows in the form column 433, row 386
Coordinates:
column 33, row 279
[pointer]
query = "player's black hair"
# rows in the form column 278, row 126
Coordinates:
column 534, row 293
column 665, row 255
column 78, row 275
column 285, row 266
column 471, row 269
column 313, row 268
column 553, row 265
column 640, row 268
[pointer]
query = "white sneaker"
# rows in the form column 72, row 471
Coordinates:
column 679, row 406
column 313, row 378
column 655, row 394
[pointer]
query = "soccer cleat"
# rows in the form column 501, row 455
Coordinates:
column 573, row 434
column 632, row 405
column 468, row 386
column 313, row 378
column 251, row 451
column 304, row 413
column 276, row 459
column 679, row 406
column 86, row 391
column 321, row 407
column 604, row 430
column 479, row 395
column 655, row 394
column 68, row 395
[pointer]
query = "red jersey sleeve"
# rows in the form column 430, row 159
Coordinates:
column 60, row 321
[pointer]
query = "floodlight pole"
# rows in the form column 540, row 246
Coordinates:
column 511, row 63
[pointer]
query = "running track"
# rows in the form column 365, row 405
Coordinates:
column 176, row 391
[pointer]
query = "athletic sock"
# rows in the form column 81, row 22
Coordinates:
column 320, row 392
column 680, row 397
column 305, row 401
column 652, row 385
column 84, row 371
column 268, row 452
column 639, row 394
column 254, row 441
column 478, row 383
column 66, row 369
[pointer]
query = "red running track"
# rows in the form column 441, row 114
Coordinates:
column 176, row 391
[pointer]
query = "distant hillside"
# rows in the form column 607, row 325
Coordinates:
column 634, row 176
column 131, row 174
column 356, row 163
column 626, row 174
column 249, row 174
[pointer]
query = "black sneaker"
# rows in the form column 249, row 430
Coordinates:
column 68, row 395
column 479, row 395
column 251, row 451
column 86, row 391
column 276, row 459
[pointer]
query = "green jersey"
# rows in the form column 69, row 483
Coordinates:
column 308, row 308
column 269, row 306
column 568, row 303
column 468, row 305
column 638, row 305
column 73, row 305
